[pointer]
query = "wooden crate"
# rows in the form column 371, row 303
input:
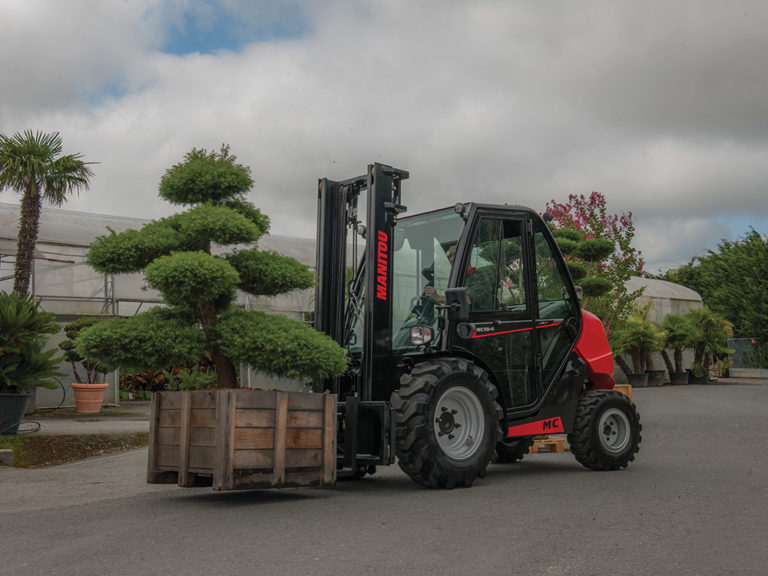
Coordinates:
column 242, row 438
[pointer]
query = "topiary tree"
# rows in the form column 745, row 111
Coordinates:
column 199, row 287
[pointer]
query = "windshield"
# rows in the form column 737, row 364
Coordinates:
column 422, row 260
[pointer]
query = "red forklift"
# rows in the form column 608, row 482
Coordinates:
column 465, row 336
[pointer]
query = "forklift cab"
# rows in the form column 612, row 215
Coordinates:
column 511, row 306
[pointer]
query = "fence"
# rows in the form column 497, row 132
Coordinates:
column 749, row 357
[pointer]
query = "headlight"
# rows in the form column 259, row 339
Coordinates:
column 421, row 335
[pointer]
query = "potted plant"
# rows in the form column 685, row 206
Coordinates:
column 24, row 363
column 637, row 337
column 87, row 388
column 678, row 331
column 709, row 332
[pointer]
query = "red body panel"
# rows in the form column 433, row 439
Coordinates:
column 593, row 348
column 548, row 426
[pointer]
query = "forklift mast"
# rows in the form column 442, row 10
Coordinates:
column 337, row 213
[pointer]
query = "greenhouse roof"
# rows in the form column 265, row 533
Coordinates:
column 69, row 228
column 662, row 289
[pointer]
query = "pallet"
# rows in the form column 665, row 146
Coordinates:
column 550, row 444
column 241, row 439
column 625, row 389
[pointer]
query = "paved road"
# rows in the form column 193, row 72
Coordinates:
column 694, row 502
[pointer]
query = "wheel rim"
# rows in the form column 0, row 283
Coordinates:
column 459, row 423
column 614, row 431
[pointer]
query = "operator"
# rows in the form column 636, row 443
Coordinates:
column 430, row 291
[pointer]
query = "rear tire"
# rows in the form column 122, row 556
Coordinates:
column 513, row 450
column 607, row 431
column 447, row 418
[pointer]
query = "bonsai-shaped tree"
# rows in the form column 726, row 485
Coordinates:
column 199, row 287
column 678, row 331
column 24, row 364
column 90, row 367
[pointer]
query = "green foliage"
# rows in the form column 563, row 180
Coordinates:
column 190, row 279
column 638, row 337
column 175, row 254
column 204, row 224
column 733, row 281
column 157, row 338
column 577, row 269
column 251, row 212
column 194, row 378
column 709, row 334
column 32, row 164
column 132, row 250
column 206, row 177
column 603, row 246
column 72, row 331
column 567, row 246
column 595, row 286
column 595, row 249
column 280, row 346
column 24, row 364
column 269, row 273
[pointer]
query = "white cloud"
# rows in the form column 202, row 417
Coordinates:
column 660, row 107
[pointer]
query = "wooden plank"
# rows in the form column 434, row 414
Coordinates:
column 255, row 418
column 166, row 437
column 167, row 457
column 186, row 409
column 168, row 400
column 281, row 408
column 169, row 418
column 254, row 438
column 203, row 418
column 305, row 419
column 550, row 444
column 225, row 426
column 152, row 476
column 201, row 458
column 245, row 459
column 203, row 399
column 304, row 438
column 202, row 437
column 304, row 458
column 255, row 399
column 329, row 440
column 304, row 401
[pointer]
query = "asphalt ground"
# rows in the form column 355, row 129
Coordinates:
column 694, row 502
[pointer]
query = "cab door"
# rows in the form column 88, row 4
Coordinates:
column 496, row 271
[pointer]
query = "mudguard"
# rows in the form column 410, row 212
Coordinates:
column 594, row 349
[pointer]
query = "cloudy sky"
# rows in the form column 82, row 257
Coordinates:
column 662, row 106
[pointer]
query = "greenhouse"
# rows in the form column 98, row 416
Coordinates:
column 66, row 286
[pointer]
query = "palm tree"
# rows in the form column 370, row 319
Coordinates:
column 31, row 165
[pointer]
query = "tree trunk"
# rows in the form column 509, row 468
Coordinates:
column 667, row 361
column 28, row 228
column 226, row 375
column 637, row 361
column 678, row 360
column 623, row 365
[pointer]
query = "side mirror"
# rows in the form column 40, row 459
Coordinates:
column 457, row 302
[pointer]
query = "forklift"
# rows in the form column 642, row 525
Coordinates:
column 465, row 338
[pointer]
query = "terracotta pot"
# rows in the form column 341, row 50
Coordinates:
column 89, row 397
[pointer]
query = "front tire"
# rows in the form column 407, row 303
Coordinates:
column 607, row 431
column 447, row 417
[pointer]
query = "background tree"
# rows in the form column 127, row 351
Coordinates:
column 598, row 250
column 32, row 165
column 199, row 287
column 733, row 281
